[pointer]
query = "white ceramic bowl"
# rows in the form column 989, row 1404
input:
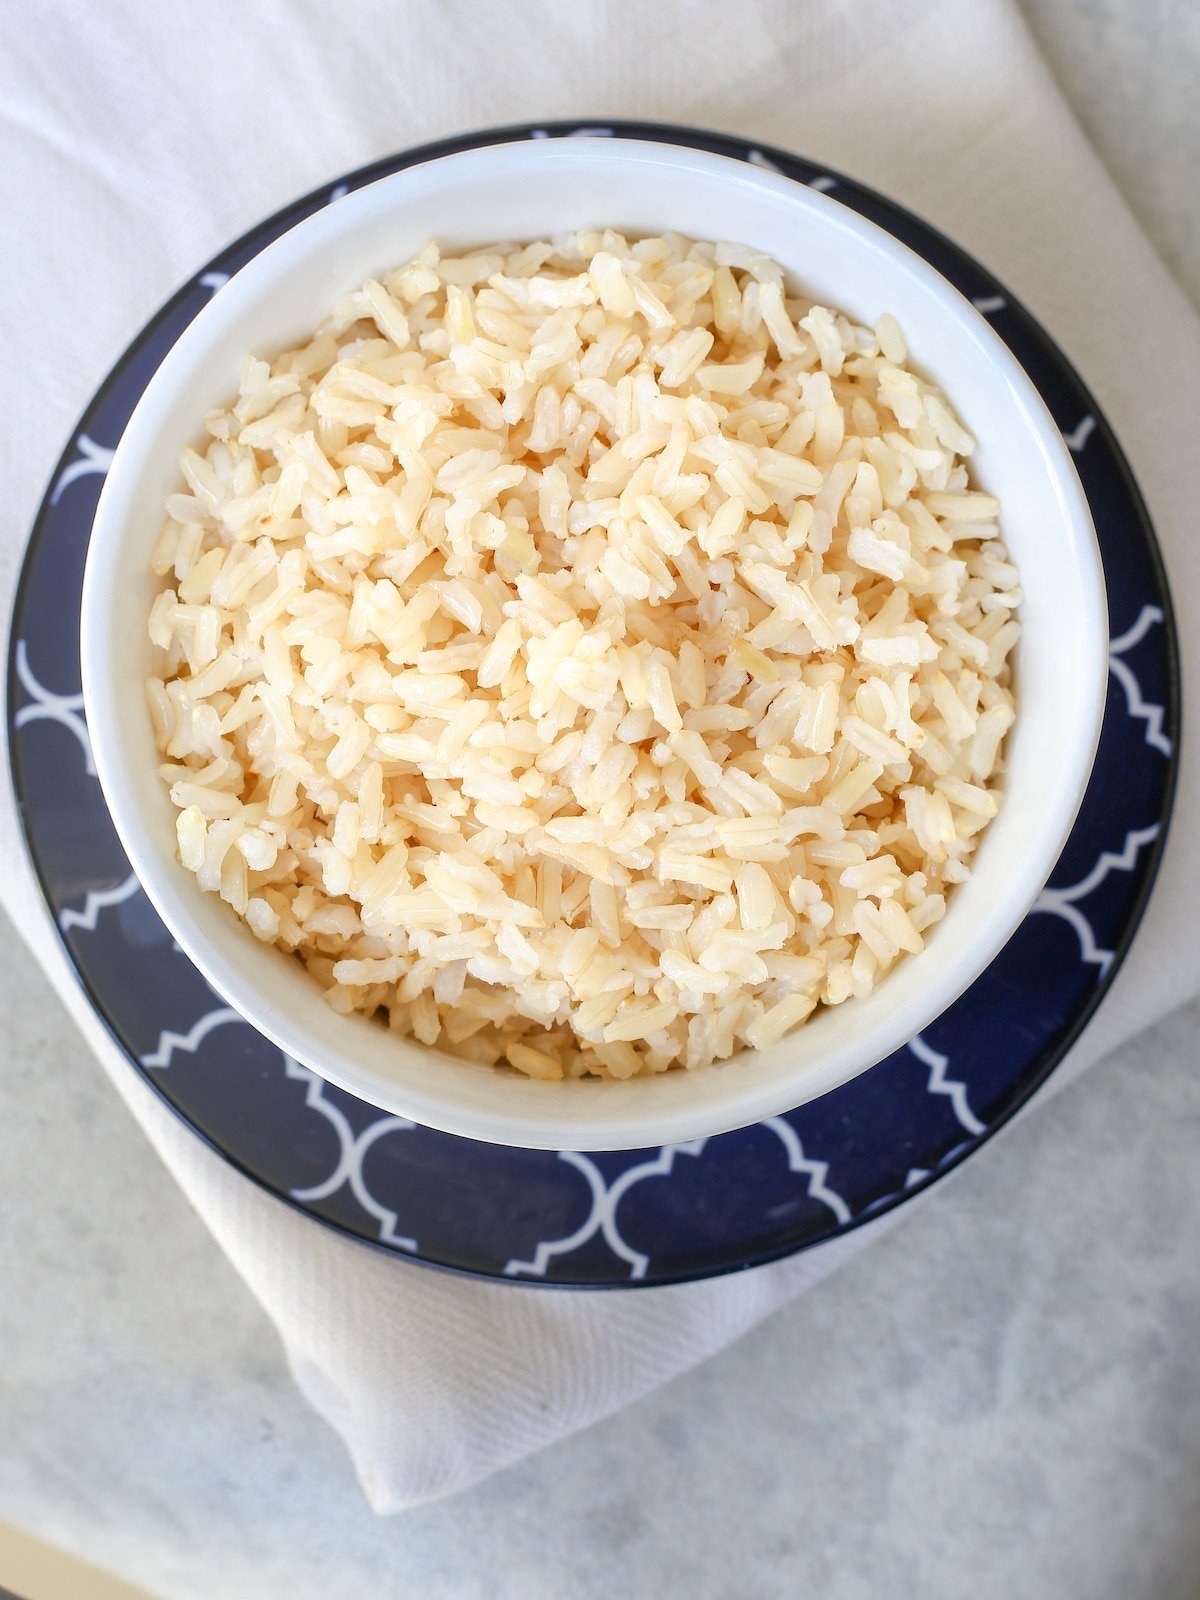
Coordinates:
column 524, row 191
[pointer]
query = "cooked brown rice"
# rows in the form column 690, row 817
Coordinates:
column 590, row 656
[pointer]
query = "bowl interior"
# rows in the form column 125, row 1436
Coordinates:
column 524, row 191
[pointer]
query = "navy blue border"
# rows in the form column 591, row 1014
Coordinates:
column 908, row 227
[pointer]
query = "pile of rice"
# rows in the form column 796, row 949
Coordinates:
column 588, row 656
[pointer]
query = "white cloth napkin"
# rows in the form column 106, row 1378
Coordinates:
column 133, row 147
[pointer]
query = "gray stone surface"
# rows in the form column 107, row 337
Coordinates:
column 1129, row 70
column 1002, row 1397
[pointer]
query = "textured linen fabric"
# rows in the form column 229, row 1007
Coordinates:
column 135, row 144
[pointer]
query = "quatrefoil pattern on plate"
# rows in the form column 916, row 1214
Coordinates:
column 620, row 1218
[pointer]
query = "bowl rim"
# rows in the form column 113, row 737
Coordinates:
column 602, row 1126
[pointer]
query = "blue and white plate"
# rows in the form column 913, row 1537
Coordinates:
column 634, row 1217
